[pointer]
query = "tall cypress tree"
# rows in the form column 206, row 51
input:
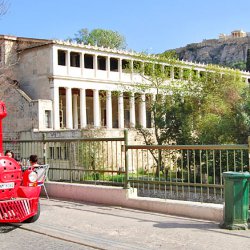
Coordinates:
column 248, row 61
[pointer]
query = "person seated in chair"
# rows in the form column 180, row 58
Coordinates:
column 9, row 153
column 33, row 161
column 39, row 169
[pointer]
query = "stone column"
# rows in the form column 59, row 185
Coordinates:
column 181, row 73
column 69, row 123
column 108, row 66
column 109, row 109
column 83, row 113
column 56, row 115
column 132, row 110
column 75, row 111
column 172, row 72
column 120, row 68
column 95, row 65
column 143, row 121
column 120, row 111
column 153, row 100
column 96, row 105
column 82, row 63
column 68, row 61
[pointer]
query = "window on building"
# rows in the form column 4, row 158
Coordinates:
column 61, row 55
column 88, row 61
column 186, row 74
column 101, row 62
column 167, row 71
column 202, row 74
column 114, row 64
column 148, row 68
column 125, row 66
column 137, row 66
column 47, row 119
column 158, row 68
column 194, row 74
column 58, row 152
column 51, row 153
column 0, row 54
column 177, row 73
column 75, row 59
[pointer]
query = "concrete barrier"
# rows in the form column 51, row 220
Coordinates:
column 117, row 196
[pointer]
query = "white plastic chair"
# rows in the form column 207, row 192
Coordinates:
column 42, row 173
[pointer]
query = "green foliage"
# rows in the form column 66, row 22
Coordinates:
column 222, row 107
column 241, row 65
column 90, row 155
column 211, row 109
column 101, row 37
column 170, row 54
column 248, row 61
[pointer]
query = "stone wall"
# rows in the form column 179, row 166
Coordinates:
column 32, row 72
column 21, row 115
column 24, row 114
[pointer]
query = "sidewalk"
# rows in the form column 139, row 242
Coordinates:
column 107, row 227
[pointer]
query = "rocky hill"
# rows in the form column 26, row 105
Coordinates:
column 228, row 52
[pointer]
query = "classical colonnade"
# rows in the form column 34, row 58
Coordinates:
column 75, row 105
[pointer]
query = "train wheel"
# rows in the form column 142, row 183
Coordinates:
column 35, row 217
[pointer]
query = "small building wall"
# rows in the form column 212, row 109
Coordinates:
column 21, row 115
column 33, row 70
column 24, row 114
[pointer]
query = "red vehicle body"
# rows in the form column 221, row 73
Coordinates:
column 19, row 192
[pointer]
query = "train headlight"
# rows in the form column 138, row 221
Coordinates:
column 33, row 177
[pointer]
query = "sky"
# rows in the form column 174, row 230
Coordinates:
column 151, row 26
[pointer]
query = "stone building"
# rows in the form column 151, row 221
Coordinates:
column 234, row 34
column 65, row 86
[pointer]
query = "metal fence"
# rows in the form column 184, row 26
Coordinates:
column 92, row 160
column 187, row 172
column 184, row 172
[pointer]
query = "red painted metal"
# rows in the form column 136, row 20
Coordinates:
column 3, row 113
column 10, row 172
column 19, row 197
column 18, row 210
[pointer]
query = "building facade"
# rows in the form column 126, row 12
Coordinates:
column 77, row 86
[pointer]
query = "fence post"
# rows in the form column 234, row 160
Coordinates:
column 126, row 182
column 248, row 140
column 44, row 149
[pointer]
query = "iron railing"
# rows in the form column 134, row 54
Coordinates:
column 187, row 172
column 184, row 172
column 92, row 160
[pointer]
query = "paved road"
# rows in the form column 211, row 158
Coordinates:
column 72, row 225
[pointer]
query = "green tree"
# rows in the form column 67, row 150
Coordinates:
column 248, row 61
column 210, row 109
column 172, row 111
column 101, row 37
column 223, row 104
column 241, row 65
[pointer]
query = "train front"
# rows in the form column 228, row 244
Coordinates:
column 19, row 192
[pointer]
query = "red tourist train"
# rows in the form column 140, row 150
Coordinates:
column 19, row 189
